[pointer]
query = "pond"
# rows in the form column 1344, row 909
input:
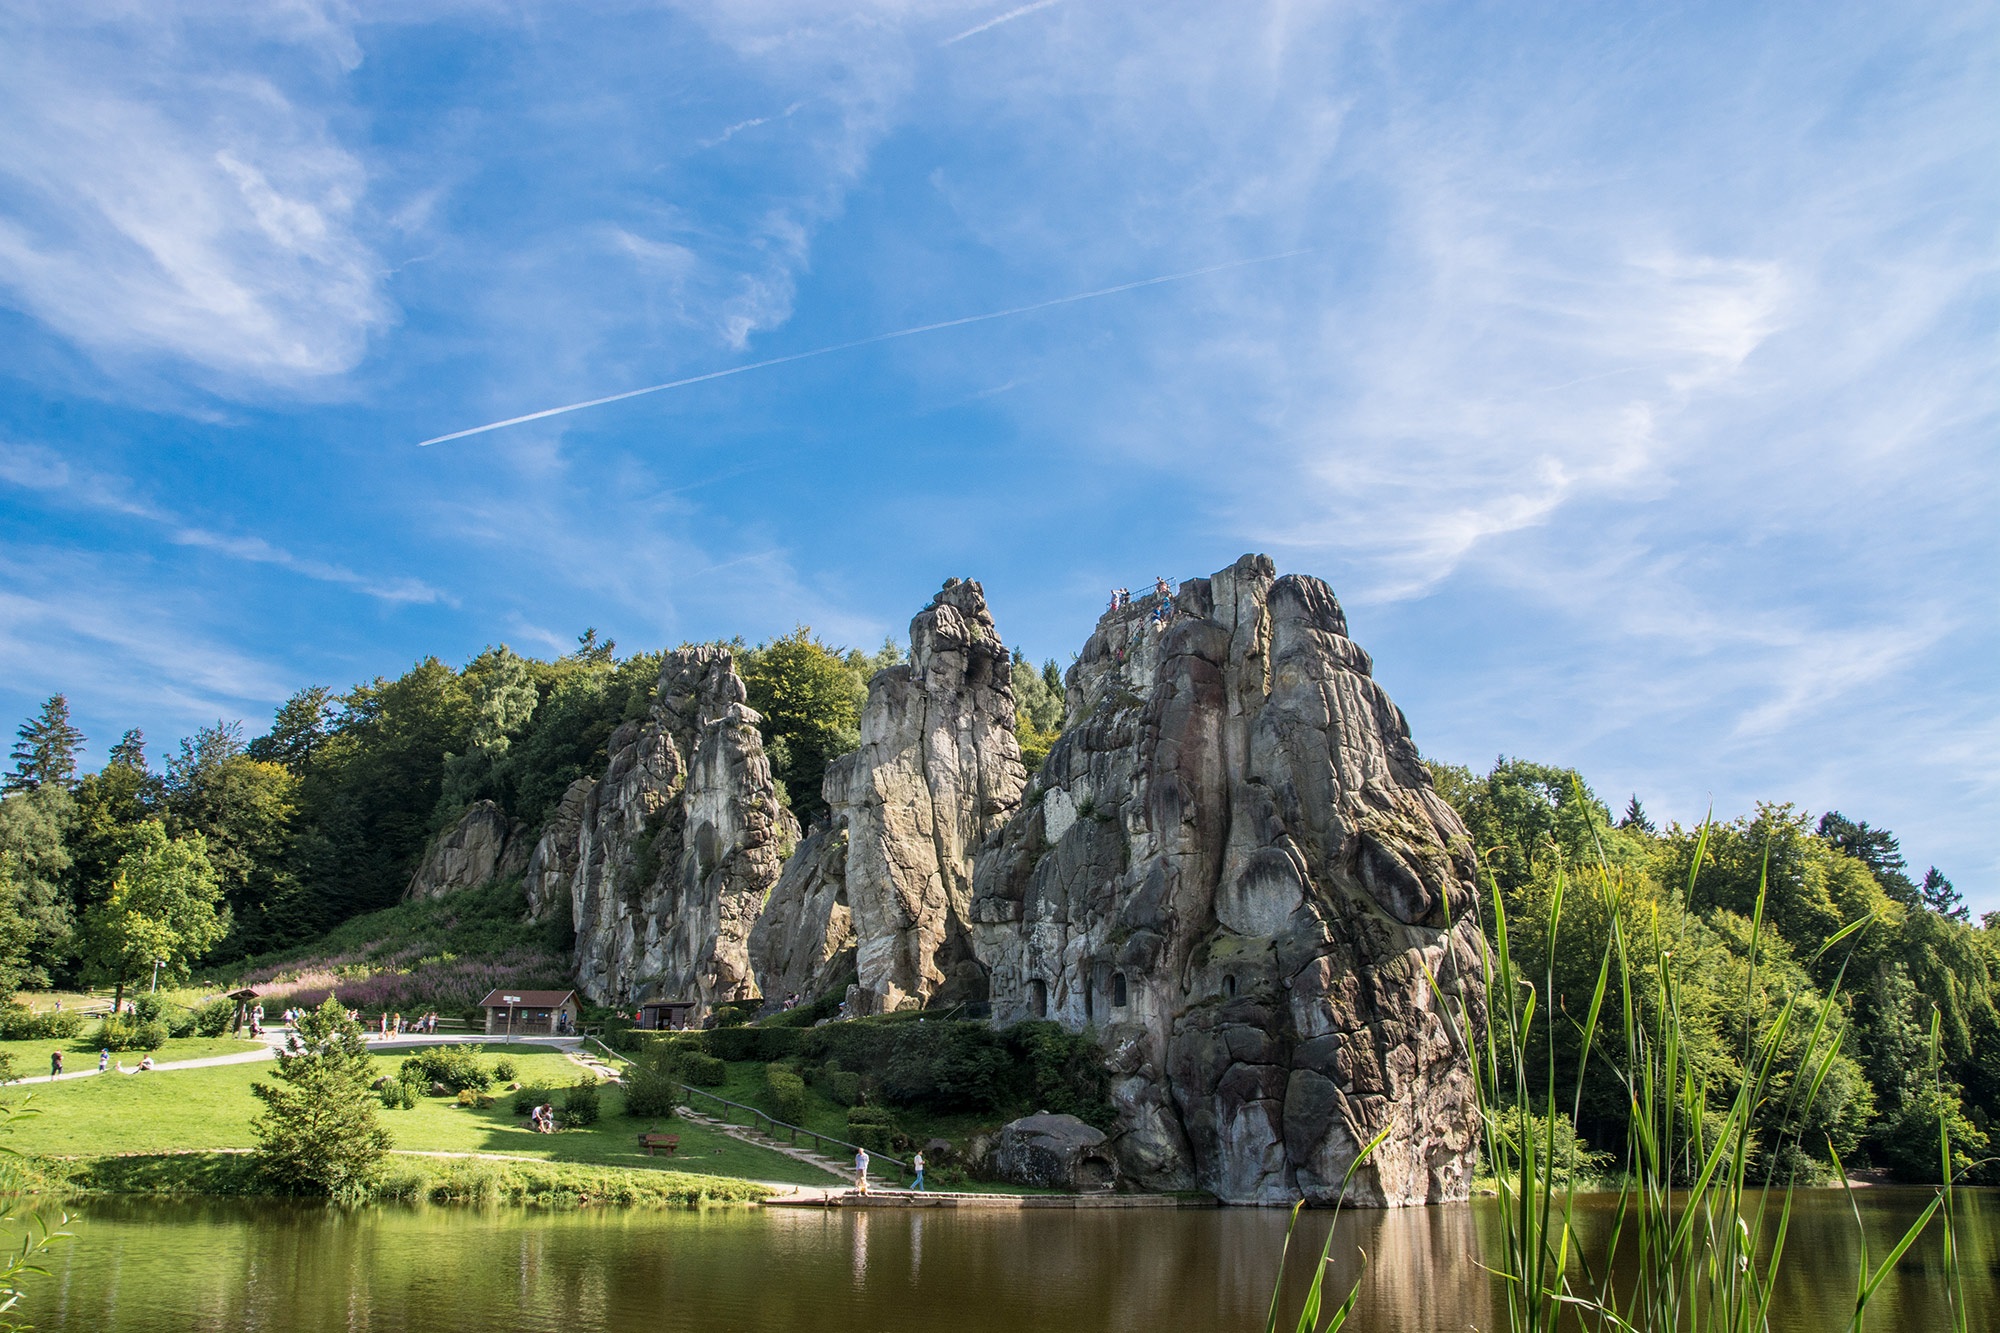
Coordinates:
column 142, row 1266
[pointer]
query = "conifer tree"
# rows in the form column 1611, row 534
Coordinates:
column 1941, row 897
column 318, row 1133
column 1635, row 817
column 45, row 754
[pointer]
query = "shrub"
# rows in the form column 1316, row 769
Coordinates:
column 840, row 1085
column 529, row 1096
column 398, row 1095
column 469, row 1098
column 704, row 1071
column 788, row 1092
column 751, row 1043
column 148, row 1008
column 457, row 1067
column 20, row 1023
column 181, row 1024
column 652, row 1083
column 504, row 1069
column 7, row 1071
column 579, row 1104
column 736, row 1013
column 212, row 1019
column 122, row 1032
column 875, row 1128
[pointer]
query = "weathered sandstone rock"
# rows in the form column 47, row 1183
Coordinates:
column 803, row 942
column 552, row 866
column 1234, row 868
column 676, row 846
column 938, row 771
column 1056, row 1152
column 481, row 847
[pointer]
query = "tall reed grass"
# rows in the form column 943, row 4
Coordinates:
column 1697, row 1238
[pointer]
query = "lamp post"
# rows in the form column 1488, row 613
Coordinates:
column 157, row 964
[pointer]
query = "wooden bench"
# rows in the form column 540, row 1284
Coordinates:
column 654, row 1140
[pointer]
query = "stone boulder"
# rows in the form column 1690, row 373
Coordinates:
column 1057, row 1152
column 1232, row 866
column 938, row 771
column 482, row 846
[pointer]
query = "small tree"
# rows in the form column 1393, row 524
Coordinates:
column 164, row 906
column 318, row 1134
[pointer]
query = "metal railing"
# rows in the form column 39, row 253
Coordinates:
column 758, row 1119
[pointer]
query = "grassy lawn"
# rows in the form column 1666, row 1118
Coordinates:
column 32, row 1057
column 212, row 1108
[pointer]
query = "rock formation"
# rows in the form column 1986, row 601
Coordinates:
column 803, row 942
column 551, row 866
column 938, row 771
column 481, row 847
column 668, row 858
column 1233, row 867
column 1054, row 1152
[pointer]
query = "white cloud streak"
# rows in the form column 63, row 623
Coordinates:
column 43, row 471
column 1021, row 12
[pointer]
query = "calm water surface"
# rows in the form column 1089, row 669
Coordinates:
column 154, row 1267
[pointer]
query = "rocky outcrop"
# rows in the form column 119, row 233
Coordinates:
column 803, row 942
column 675, row 847
column 551, row 868
column 1054, row 1152
column 484, row 845
column 1234, row 868
column 938, row 771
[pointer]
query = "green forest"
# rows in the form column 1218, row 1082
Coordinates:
column 241, row 847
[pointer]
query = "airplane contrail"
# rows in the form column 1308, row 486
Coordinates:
column 858, row 342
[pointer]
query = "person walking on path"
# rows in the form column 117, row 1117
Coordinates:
column 55, row 1064
column 917, row 1163
column 860, row 1167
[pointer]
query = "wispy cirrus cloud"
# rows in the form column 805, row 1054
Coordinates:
column 159, row 199
column 41, row 470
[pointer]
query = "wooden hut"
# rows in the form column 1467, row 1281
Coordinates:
column 531, row 1013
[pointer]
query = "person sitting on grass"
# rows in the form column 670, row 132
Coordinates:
column 146, row 1064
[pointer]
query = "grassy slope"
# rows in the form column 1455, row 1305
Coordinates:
column 178, row 1110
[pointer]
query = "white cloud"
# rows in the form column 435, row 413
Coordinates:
column 42, row 470
column 158, row 199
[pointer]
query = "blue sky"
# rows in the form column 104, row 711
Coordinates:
column 1630, row 373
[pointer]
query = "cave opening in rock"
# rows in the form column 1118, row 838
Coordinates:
column 1117, row 990
column 1229, row 986
column 1038, row 998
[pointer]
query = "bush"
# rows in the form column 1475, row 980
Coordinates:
column 181, row 1024
column 579, row 1104
column 875, row 1128
column 704, row 1071
column 504, row 1070
column 840, row 1085
column 652, row 1083
column 476, row 1100
column 751, row 1043
column 398, row 1095
column 7, row 1071
column 457, row 1067
column 788, row 1092
column 122, row 1032
column 148, row 1008
column 736, row 1013
column 531, row 1095
column 20, row 1023
column 212, row 1019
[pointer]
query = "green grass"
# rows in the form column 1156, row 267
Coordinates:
column 193, row 1109
column 405, row 1179
column 32, row 1057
